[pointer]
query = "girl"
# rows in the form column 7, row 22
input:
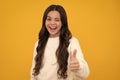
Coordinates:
column 57, row 54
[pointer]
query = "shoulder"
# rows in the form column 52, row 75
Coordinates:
column 36, row 44
column 74, row 40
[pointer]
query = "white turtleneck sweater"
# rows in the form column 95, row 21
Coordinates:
column 50, row 67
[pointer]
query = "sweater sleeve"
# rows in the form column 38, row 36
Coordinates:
column 33, row 62
column 83, row 71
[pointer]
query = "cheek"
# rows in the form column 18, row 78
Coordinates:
column 60, row 27
column 59, row 24
column 46, row 23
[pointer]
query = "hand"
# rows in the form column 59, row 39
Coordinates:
column 74, row 63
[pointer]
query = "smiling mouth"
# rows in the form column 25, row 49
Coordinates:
column 53, row 28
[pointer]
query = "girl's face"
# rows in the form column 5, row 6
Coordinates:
column 53, row 23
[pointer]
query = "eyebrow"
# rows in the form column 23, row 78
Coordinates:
column 50, row 17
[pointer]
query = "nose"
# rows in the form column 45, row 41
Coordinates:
column 52, row 22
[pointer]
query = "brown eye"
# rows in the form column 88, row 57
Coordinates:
column 57, row 19
column 48, row 19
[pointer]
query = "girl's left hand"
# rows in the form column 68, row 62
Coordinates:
column 74, row 63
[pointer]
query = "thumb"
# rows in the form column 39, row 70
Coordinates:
column 74, row 53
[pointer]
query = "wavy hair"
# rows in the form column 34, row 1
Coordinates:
column 61, row 52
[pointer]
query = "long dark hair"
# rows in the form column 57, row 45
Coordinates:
column 62, row 52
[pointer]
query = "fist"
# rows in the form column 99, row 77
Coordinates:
column 74, row 63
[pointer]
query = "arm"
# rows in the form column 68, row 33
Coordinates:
column 83, row 70
column 33, row 62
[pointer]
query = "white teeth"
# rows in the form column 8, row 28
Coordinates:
column 53, row 28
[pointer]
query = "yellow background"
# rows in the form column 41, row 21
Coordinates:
column 96, row 23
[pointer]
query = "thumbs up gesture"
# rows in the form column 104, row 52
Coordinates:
column 74, row 64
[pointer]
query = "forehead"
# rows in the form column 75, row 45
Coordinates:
column 54, row 14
